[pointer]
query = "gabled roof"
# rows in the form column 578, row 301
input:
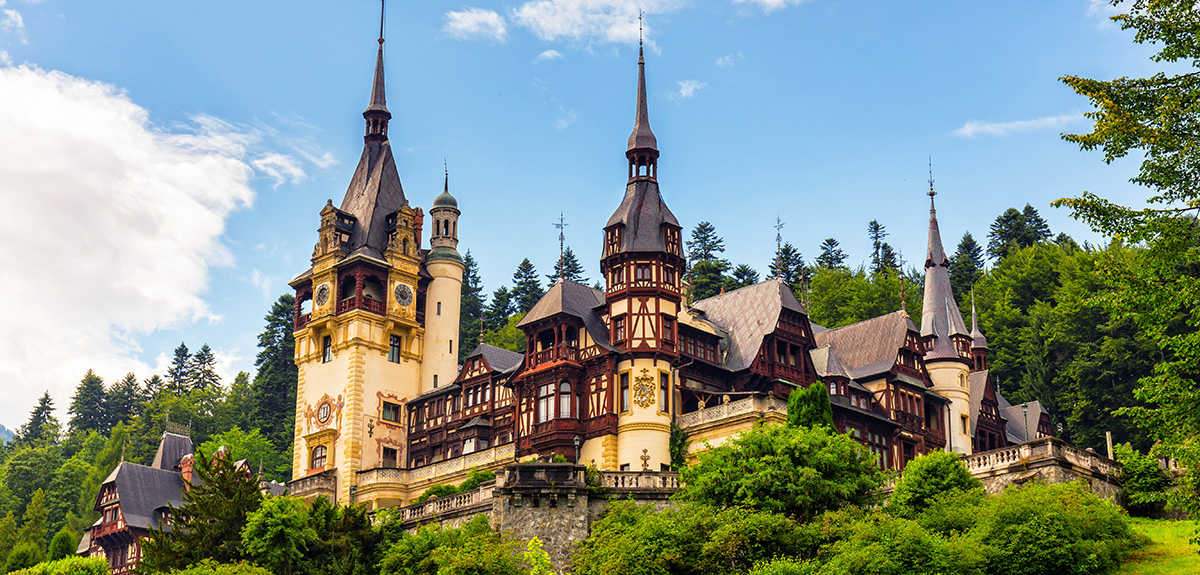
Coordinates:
column 171, row 449
column 978, row 381
column 868, row 347
column 643, row 213
column 574, row 299
column 1015, row 418
column 827, row 364
column 748, row 315
column 499, row 359
column 142, row 490
column 374, row 194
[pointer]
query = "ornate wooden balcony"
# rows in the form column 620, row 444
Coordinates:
column 366, row 304
column 556, row 353
column 302, row 320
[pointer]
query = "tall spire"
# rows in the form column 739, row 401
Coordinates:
column 643, row 146
column 940, row 318
column 377, row 114
column 978, row 341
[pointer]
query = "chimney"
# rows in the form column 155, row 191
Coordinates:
column 418, row 223
column 186, row 465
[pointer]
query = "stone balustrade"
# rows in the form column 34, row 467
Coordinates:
column 441, row 507
column 313, row 486
column 759, row 404
column 1031, row 452
column 623, row 480
column 387, row 475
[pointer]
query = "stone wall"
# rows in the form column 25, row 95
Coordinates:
column 1047, row 459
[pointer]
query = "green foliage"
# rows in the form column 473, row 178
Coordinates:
column 88, row 406
column 274, row 386
column 8, row 536
column 496, row 314
column 210, row 567
column 180, row 374
column 30, row 470
column 123, row 401
column 475, row 478
column 255, row 449
column 278, row 533
column 33, row 525
column 204, row 368
column 68, row 566
column 883, row 257
column 436, row 491
column 927, row 476
column 508, row 336
column 568, row 267
column 707, row 277
column 346, row 542
column 677, row 446
column 966, row 266
column 886, row 545
column 23, row 556
column 841, row 296
column 470, row 323
column 1144, row 483
column 705, row 244
column 42, row 428
column 797, row 471
column 527, row 289
column 810, row 407
column 63, row 544
column 742, row 276
column 706, row 267
column 537, row 559
column 65, row 490
column 1014, row 230
column 473, row 549
column 831, row 255
column 685, row 539
column 788, row 265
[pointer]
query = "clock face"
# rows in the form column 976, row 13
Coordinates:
column 323, row 412
column 322, row 294
column 404, row 295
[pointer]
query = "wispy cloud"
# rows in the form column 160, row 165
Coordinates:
column 279, row 167
column 590, row 21
column 728, row 60
column 11, row 23
column 1103, row 11
column 771, row 5
column 476, row 24
column 263, row 283
column 687, row 89
column 548, row 55
column 565, row 119
column 976, row 128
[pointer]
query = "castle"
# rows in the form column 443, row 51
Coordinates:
column 384, row 410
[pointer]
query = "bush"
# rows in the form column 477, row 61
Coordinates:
column 810, row 407
column 210, row 567
column 797, row 471
column 63, row 544
column 928, row 476
column 474, row 548
column 475, row 478
column 437, row 491
column 68, row 566
column 23, row 556
column 881, row 544
column 1145, row 483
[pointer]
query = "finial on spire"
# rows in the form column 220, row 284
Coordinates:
column 561, row 224
column 377, row 114
column 381, row 8
column 931, row 192
column 640, row 14
column 643, row 146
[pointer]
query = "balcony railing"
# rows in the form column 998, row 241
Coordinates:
column 302, row 320
column 387, row 475
column 364, row 303
column 443, row 506
column 556, row 353
column 1037, row 450
column 312, row 485
column 640, row 480
column 761, row 405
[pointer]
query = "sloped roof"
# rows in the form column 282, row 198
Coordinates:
column 141, row 490
column 939, row 312
column 643, row 213
column 978, row 381
column 642, row 137
column 827, row 363
column 748, row 315
column 574, row 299
column 1014, row 418
column 497, row 358
column 171, row 449
column 868, row 347
column 374, row 193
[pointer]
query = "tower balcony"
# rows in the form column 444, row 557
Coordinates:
column 363, row 303
column 556, row 353
column 313, row 486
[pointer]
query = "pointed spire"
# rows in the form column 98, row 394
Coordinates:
column 377, row 114
column 643, row 146
column 978, row 341
column 940, row 318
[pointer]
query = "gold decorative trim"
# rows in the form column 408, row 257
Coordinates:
column 643, row 426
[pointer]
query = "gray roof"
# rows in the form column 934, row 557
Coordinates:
column 142, row 490
column 978, row 381
column 574, row 299
column 978, row 341
column 748, row 315
column 827, row 363
column 171, row 449
column 1015, row 420
column 477, row 422
column 939, row 313
column 868, row 347
column 642, row 137
column 643, row 213
column 374, row 194
column 497, row 358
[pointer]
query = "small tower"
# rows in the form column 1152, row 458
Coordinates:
column 979, row 344
column 444, row 295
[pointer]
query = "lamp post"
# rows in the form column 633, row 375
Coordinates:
column 1025, row 412
column 578, row 443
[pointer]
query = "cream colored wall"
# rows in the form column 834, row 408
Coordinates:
column 445, row 288
column 950, row 381
column 641, row 427
column 602, row 450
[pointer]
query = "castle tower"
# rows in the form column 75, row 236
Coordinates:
column 642, row 265
column 359, row 336
column 947, row 344
column 979, row 344
column 444, row 295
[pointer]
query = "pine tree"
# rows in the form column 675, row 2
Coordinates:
column 966, row 267
column 705, row 244
column 495, row 315
column 42, row 426
column 889, row 259
column 707, row 268
column 742, row 276
column 154, row 385
column 1014, row 230
column 238, row 408
column 8, row 536
column 274, row 387
column 831, row 256
column 33, row 524
column 527, row 289
column 876, row 233
column 708, row 277
column 204, row 370
column 179, row 375
column 88, row 406
column 788, row 265
column 570, row 267
column 124, row 400
column 470, row 323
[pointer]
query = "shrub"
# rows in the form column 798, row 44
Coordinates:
column 474, row 548
column 23, row 556
column 210, row 567
column 437, row 491
column 927, row 476
column 68, row 566
column 63, row 544
column 475, row 478
column 1144, row 482
column 810, row 407
column 881, row 544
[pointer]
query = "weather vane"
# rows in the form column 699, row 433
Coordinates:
column 931, row 192
column 640, row 14
column 561, row 224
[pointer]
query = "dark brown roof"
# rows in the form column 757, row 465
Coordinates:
column 171, row 448
column 868, row 347
column 643, row 213
column 939, row 313
column 574, row 299
column 142, row 491
column 378, row 97
column 497, row 358
column 748, row 315
column 374, row 194
column 642, row 137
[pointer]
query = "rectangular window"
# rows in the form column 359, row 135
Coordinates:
column 619, row 329
column 624, row 467
column 327, row 349
column 624, row 392
column 965, row 425
column 668, row 325
column 394, row 349
column 435, row 380
column 545, row 407
column 669, row 276
column 451, row 346
column 389, row 457
column 391, row 412
column 664, row 392
column 643, row 272
column 439, row 308
column 832, row 388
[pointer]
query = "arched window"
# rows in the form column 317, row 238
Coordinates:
column 564, row 400
column 318, row 457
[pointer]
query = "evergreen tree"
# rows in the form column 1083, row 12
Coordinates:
column 42, row 426
column 876, row 233
column 810, row 407
column 1014, row 229
column 742, row 276
column 274, row 387
column 123, row 400
column 570, row 267
column 966, row 267
column 88, row 406
column 8, row 536
column 705, row 244
column 889, row 259
column 154, row 385
column 788, row 265
column 507, row 336
column 831, row 256
column 33, row 524
column 63, row 545
column 527, row 289
column 708, row 277
column 179, row 375
column 470, row 323
column 238, row 408
column 496, row 314
column 204, row 370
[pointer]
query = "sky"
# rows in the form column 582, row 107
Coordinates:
column 163, row 164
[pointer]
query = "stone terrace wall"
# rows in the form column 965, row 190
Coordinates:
column 1048, row 459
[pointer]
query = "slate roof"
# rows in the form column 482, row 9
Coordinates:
column 748, row 315
column 642, row 137
column 826, row 363
column 574, row 299
column 978, row 382
column 939, row 314
column 142, row 490
column 1015, row 419
column 477, row 422
column 643, row 213
column 171, row 449
column 499, row 359
column 374, row 193
column 868, row 347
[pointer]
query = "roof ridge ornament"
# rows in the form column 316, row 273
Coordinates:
column 642, row 151
column 377, row 114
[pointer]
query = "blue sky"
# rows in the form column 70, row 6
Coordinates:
column 163, row 163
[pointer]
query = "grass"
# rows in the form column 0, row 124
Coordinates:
column 1169, row 552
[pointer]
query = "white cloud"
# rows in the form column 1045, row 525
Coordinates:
column 280, row 167
column 476, row 23
column 548, row 55
column 771, row 5
column 728, row 60
column 977, row 128
column 1103, row 11
column 12, row 23
column 5, row 59
column 263, row 283
column 113, row 226
column 602, row 21
column 688, row 88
